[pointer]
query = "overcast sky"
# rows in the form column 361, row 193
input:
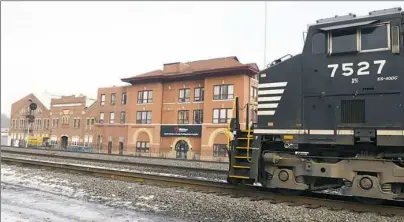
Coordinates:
column 75, row 47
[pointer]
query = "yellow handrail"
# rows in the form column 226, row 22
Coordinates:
column 248, row 141
column 228, row 125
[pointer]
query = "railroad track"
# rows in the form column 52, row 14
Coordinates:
column 333, row 202
column 26, row 151
column 119, row 155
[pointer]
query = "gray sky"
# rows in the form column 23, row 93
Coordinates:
column 75, row 47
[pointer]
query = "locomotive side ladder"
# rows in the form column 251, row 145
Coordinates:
column 239, row 149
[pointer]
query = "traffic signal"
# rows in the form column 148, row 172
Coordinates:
column 32, row 106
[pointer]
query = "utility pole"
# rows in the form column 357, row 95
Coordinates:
column 265, row 36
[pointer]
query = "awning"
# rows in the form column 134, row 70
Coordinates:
column 348, row 25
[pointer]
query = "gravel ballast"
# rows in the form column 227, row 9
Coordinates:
column 174, row 202
column 167, row 171
column 134, row 159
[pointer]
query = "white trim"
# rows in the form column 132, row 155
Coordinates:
column 325, row 132
column 321, row 132
column 272, row 84
column 268, row 105
column 345, row 132
column 67, row 104
column 169, row 103
column 221, row 100
column 279, row 131
column 271, row 92
column 264, row 113
column 268, row 99
column 164, row 124
column 390, row 132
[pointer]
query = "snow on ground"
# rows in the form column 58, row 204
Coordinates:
column 39, row 198
column 125, row 170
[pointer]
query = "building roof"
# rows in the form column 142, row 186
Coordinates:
column 44, row 98
column 193, row 68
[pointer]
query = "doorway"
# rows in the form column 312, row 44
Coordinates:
column 99, row 143
column 64, row 141
column 181, row 149
column 120, row 148
column 109, row 147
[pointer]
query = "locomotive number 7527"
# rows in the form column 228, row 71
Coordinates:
column 362, row 68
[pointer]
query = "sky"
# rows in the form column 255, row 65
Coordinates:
column 65, row 48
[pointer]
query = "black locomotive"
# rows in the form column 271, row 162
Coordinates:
column 332, row 116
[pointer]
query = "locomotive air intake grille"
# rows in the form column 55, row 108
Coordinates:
column 353, row 111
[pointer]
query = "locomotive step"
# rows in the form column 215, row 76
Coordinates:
column 241, row 167
column 246, row 138
column 242, row 157
column 245, row 148
column 239, row 177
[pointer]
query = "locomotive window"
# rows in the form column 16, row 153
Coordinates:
column 375, row 37
column 343, row 41
column 318, row 43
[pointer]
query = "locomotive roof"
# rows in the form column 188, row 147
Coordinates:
column 351, row 20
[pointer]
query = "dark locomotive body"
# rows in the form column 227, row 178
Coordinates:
column 346, row 88
column 331, row 115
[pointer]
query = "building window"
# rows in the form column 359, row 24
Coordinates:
column 76, row 123
column 253, row 92
column 254, row 116
column 184, row 95
column 123, row 116
column 55, row 123
column 219, row 150
column 198, row 116
column 124, row 98
column 111, row 117
column 183, row 116
column 102, row 99
column 113, row 96
column 88, row 140
column 75, row 141
column 199, row 94
column 142, row 147
column 221, row 115
column 145, row 96
column 223, row 92
column 65, row 120
column 87, row 123
column 143, row 117
column 92, row 121
column 46, row 123
column 101, row 118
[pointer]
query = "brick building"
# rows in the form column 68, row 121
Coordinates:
column 68, row 116
column 19, row 130
column 180, row 111
column 63, row 124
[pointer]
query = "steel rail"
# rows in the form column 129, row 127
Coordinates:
column 114, row 154
column 118, row 162
column 219, row 188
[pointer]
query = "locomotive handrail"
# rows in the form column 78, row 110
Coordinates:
column 228, row 131
column 248, row 142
